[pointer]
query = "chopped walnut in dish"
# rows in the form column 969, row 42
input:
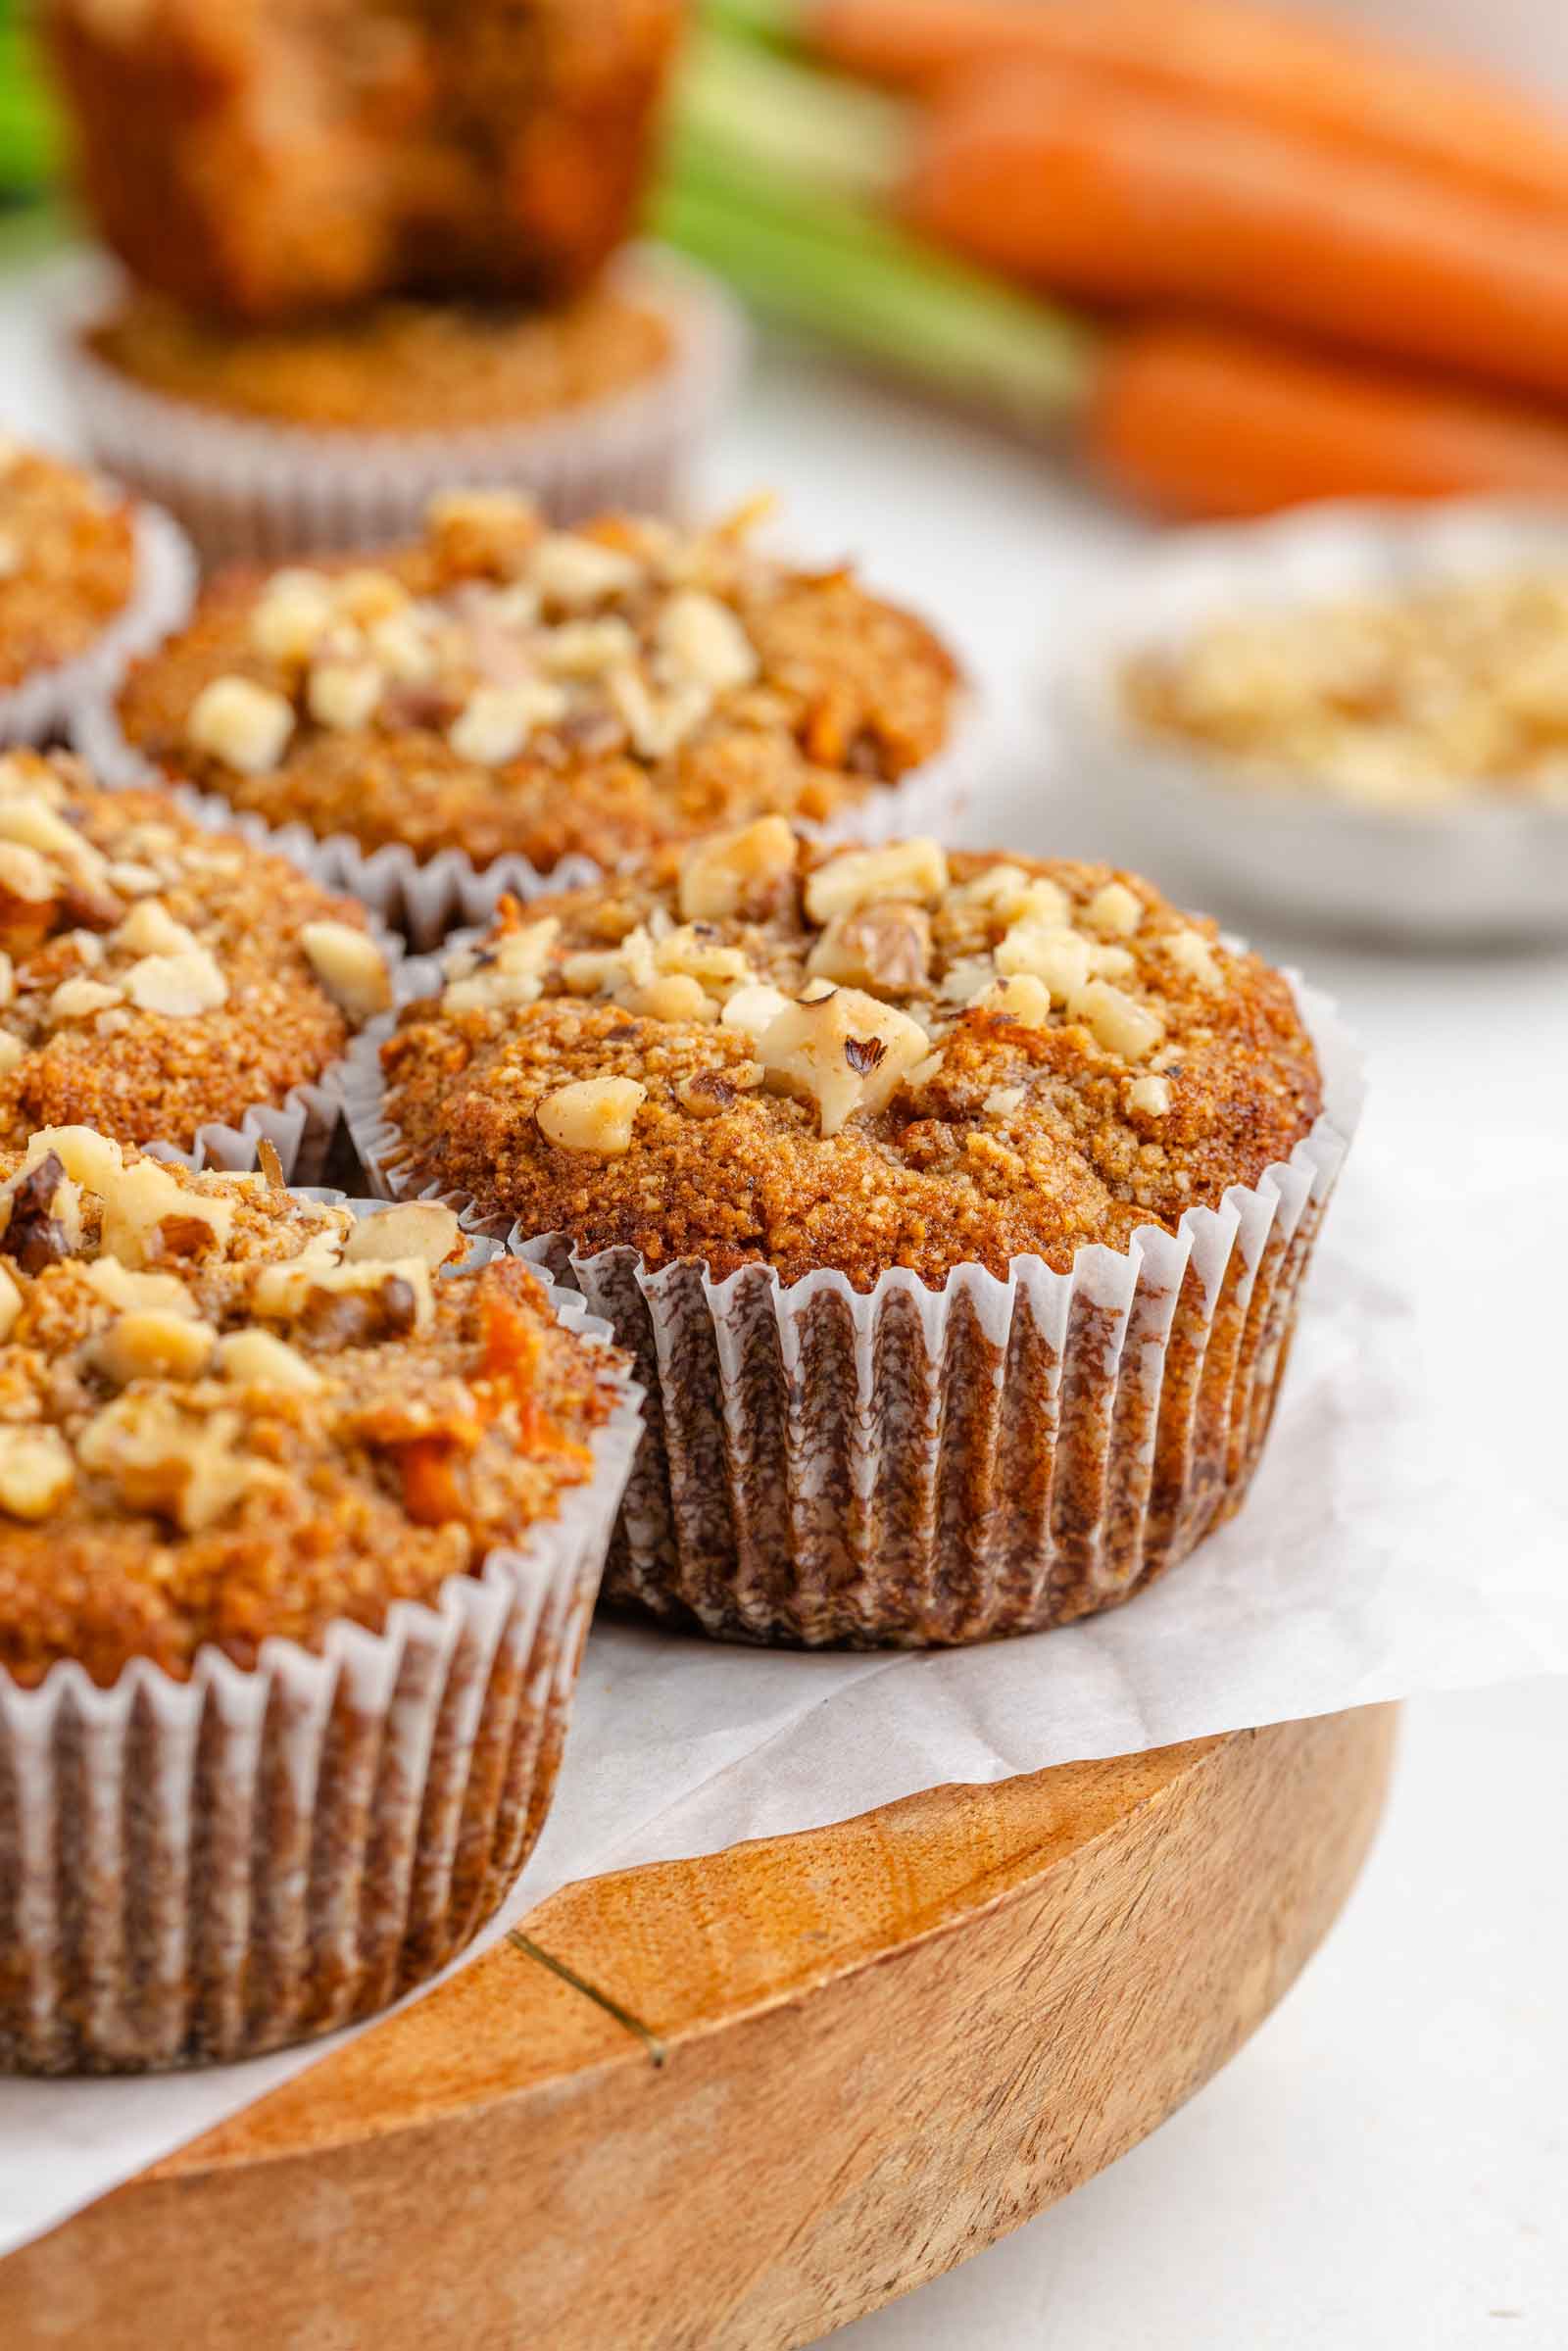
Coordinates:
column 1447, row 689
column 155, row 977
column 853, row 1059
column 229, row 1412
column 505, row 687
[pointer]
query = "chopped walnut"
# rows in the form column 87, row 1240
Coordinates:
column 707, row 1092
column 1149, row 1097
column 577, row 573
column 10, row 1303
column 245, row 725
column 885, row 947
column 149, row 929
column 350, row 1303
column 79, row 1000
column 1115, row 909
column 754, row 1008
column 139, row 1292
column 293, row 613
column 349, row 967
column 419, row 1228
column 594, row 1115
column 161, row 1458
column 142, row 1199
column 36, row 1472
column 43, row 1215
column 846, row 1052
column 738, row 872
column 343, row 695
column 257, row 1360
column 1025, row 997
column 150, row 1344
column 700, row 640
column 11, row 1050
column 1116, row 1021
column 915, row 870
column 1059, row 960
column 176, row 985
column 588, row 649
column 496, row 721
column 1003, row 1101
column 673, row 995
column 512, row 972
column 1192, row 954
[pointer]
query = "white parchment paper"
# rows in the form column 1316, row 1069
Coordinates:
column 1406, row 1533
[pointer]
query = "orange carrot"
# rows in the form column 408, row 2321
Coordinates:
column 1269, row 68
column 1082, row 187
column 1204, row 423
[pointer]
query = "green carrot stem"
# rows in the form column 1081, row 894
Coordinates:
column 790, row 124
column 835, row 271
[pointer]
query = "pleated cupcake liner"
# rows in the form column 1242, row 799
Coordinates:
column 251, row 491
column 200, row 1870
column 425, row 901
column 915, row 1467
column 40, row 708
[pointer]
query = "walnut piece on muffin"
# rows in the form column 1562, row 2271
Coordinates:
column 394, row 367
column 501, row 687
column 155, row 977
column 262, row 162
column 227, row 1412
column 67, row 561
column 753, row 1051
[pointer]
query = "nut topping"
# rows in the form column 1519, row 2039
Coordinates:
column 147, row 1344
column 245, row 725
column 737, row 872
column 178, row 986
column 349, row 967
column 885, row 947
column 846, row 1052
column 36, row 1472
column 419, row 1228
column 594, row 1115
column 1115, row 1020
column 915, row 870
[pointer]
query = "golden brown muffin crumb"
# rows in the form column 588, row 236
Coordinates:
column 755, row 1051
column 67, row 562
column 503, row 687
column 396, row 367
column 229, row 1413
column 155, row 976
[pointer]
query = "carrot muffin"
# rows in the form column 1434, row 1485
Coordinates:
column 67, row 562
column 887, row 1075
column 260, row 163
column 501, row 688
column 394, row 367
column 156, row 977
column 238, row 1425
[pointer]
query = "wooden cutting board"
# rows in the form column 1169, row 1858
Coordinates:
column 730, row 2104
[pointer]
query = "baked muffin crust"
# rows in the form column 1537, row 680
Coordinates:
column 262, row 162
column 67, row 561
column 753, row 1051
column 502, row 687
column 394, row 367
column 229, row 1413
column 155, row 976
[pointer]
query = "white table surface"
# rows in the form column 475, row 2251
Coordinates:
column 1387, row 2163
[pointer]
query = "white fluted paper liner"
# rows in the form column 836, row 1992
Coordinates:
column 425, row 902
column 248, row 490
column 914, row 1467
column 204, row 1870
column 1482, row 866
column 41, row 707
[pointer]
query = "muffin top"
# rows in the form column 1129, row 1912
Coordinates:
column 393, row 366
column 504, row 687
column 261, row 162
column 753, row 1051
column 67, row 561
column 229, row 1412
column 155, row 976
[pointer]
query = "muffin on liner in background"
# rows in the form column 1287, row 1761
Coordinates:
column 88, row 579
column 954, row 1212
column 257, row 443
column 299, row 1542
column 171, row 983
column 498, row 703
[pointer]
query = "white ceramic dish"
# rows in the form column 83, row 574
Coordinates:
column 1472, row 869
